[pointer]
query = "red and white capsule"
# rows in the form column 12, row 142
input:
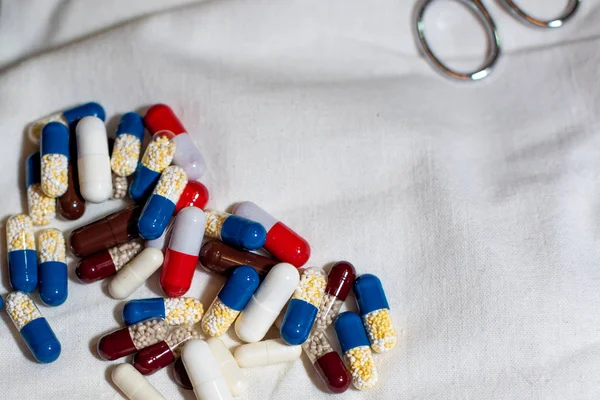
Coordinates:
column 181, row 256
column 282, row 242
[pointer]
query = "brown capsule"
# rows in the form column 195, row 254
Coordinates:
column 116, row 228
column 71, row 205
column 220, row 258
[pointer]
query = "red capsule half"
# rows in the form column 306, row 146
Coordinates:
column 95, row 267
column 340, row 280
column 116, row 345
column 195, row 194
column 182, row 253
column 153, row 358
column 180, row 375
column 333, row 372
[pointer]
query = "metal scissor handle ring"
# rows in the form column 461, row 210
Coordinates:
column 522, row 16
column 491, row 32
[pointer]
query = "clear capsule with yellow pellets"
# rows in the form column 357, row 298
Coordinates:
column 33, row 327
column 156, row 159
column 53, row 267
column 55, row 159
column 355, row 348
column 302, row 309
column 230, row 301
column 174, row 310
column 128, row 143
column 22, row 257
column 42, row 208
column 375, row 312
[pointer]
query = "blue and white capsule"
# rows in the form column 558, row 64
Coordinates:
column 22, row 257
column 174, row 310
column 375, row 312
column 53, row 280
column 355, row 348
column 160, row 206
column 41, row 208
column 234, row 230
column 230, row 301
column 68, row 118
column 128, row 143
column 55, row 159
column 302, row 309
column 156, row 159
column 34, row 329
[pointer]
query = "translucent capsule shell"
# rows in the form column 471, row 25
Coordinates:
column 375, row 312
column 41, row 208
column 53, row 281
column 126, row 341
column 156, row 159
column 231, row 299
column 128, row 143
column 33, row 327
column 163, row 353
column 302, row 309
column 327, row 362
column 357, row 352
column 161, row 205
column 22, row 256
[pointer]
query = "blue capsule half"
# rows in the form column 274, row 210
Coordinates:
column 41, row 340
column 369, row 294
column 53, row 285
column 131, row 124
column 33, row 169
column 92, row 109
column 143, row 183
column 23, row 270
column 55, row 139
column 139, row 310
column 155, row 217
column 241, row 232
column 350, row 331
column 298, row 321
column 239, row 288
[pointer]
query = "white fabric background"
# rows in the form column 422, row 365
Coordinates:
column 478, row 205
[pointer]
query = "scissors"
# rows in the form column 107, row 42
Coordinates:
column 493, row 39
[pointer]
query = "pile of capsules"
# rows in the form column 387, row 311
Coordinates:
column 168, row 227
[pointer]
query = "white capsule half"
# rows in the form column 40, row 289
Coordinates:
column 135, row 273
column 233, row 374
column 203, row 371
column 93, row 161
column 267, row 352
column 267, row 302
column 133, row 384
column 188, row 231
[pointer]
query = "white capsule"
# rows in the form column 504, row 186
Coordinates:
column 133, row 384
column 93, row 161
column 203, row 371
column 267, row 302
column 135, row 273
column 233, row 374
column 267, row 352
